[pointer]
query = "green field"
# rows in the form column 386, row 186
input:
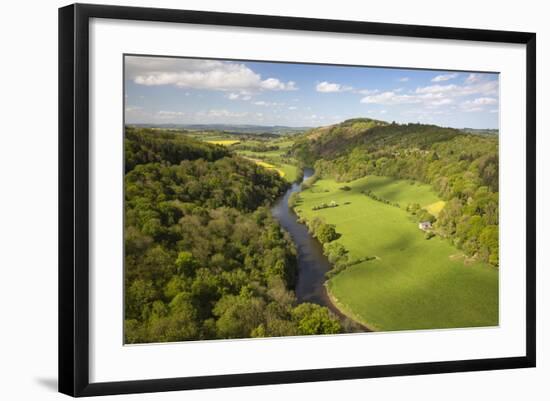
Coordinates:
column 275, row 158
column 272, row 159
column 400, row 191
column 413, row 283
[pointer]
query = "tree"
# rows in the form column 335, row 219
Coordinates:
column 315, row 319
column 186, row 263
column 335, row 252
column 326, row 233
column 139, row 296
column 293, row 200
column 238, row 316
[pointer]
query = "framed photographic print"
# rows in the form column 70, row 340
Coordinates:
column 250, row 199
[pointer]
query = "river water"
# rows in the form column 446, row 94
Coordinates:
column 312, row 263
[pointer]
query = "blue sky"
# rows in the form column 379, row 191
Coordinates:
column 205, row 91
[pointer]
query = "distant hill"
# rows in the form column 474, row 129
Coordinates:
column 481, row 131
column 228, row 128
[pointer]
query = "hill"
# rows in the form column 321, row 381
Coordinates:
column 462, row 169
column 231, row 128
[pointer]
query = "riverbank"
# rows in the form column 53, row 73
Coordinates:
column 312, row 262
column 347, row 313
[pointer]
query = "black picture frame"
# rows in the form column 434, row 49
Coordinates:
column 74, row 198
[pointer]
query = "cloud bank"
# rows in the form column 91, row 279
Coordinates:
column 200, row 74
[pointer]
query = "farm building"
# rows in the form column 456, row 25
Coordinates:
column 425, row 225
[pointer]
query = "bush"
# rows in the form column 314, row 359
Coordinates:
column 325, row 206
column 335, row 252
column 293, row 200
column 326, row 233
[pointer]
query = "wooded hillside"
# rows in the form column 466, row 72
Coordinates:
column 461, row 167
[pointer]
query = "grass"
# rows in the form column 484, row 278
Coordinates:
column 413, row 283
column 290, row 172
column 273, row 159
column 398, row 191
column 269, row 166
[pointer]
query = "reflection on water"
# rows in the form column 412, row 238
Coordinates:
column 312, row 263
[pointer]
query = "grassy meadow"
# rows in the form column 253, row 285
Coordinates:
column 271, row 159
column 413, row 283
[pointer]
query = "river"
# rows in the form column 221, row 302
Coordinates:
column 312, row 263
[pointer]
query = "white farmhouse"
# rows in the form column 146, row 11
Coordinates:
column 425, row 225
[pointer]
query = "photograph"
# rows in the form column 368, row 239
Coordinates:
column 271, row 199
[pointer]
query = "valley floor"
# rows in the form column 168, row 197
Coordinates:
column 413, row 283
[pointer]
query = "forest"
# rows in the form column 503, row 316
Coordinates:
column 461, row 167
column 204, row 258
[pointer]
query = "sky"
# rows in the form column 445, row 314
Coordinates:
column 163, row 90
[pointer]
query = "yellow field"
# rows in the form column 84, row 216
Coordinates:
column 435, row 208
column 227, row 142
column 267, row 166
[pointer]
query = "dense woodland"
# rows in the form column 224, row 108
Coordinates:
column 462, row 168
column 204, row 258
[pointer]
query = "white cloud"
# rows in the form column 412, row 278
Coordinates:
column 389, row 98
column 486, row 88
column 199, row 74
column 477, row 104
column 440, row 102
column 484, row 100
column 331, row 87
column 472, row 78
column 437, row 95
column 216, row 113
column 293, row 108
column 169, row 115
column 213, row 113
column 264, row 103
column 444, row 77
column 437, row 88
column 276, row 85
column 369, row 91
column 242, row 95
column 404, row 79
